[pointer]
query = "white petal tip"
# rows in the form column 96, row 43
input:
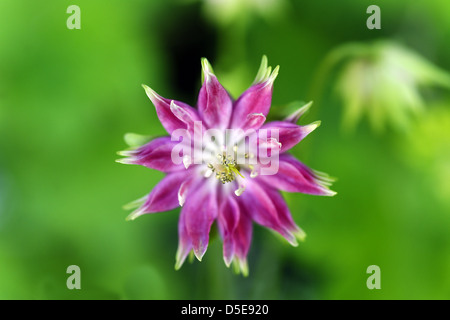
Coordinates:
column 239, row 191
column 316, row 124
column 125, row 161
column 228, row 261
column 330, row 193
column 243, row 266
column 149, row 91
column 126, row 153
column 181, row 200
column 296, row 115
column 198, row 255
column 207, row 69
column 300, row 235
column 312, row 126
column 151, row 94
column 131, row 217
column 293, row 242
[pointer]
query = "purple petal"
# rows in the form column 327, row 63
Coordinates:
column 162, row 105
column 164, row 195
column 187, row 116
column 227, row 222
column 294, row 176
column 200, row 210
column 214, row 102
column 284, row 215
column 242, row 236
column 254, row 121
column 157, row 154
column 185, row 187
column 288, row 134
column 256, row 99
column 184, row 242
column 263, row 211
column 267, row 147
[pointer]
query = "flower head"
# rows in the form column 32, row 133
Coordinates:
column 383, row 80
column 225, row 164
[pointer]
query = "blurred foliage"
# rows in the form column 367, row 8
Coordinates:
column 67, row 97
column 382, row 80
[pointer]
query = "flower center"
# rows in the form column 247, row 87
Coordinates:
column 225, row 168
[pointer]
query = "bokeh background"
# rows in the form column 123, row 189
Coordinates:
column 67, row 97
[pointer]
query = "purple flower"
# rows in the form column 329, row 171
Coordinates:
column 234, row 182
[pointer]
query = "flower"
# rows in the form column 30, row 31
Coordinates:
column 383, row 80
column 219, row 176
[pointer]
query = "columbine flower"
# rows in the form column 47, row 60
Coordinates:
column 229, row 184
column 383, row 80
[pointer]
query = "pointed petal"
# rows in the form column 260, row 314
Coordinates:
column 294, row 176
column 162, row 105
column 184, row 242
column 284, row 215
column 288, row 134
column 187, row 116
column 296, row 115
column 240, row 266
column 256, row 99
column 268, row 147
column 263, row 70
column 157, row 154
column 164, row 195
column 254, row 121
column 264, row 212
column 242, row 238
column 185, row 187
column 200, row 210
column 214, row 102
column 227, row 222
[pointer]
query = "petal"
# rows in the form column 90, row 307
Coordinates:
column 187, row 116
column 164, row 195
column 185, row 187
column 267, row 147
column 184, row 242
column 296, row 115
column 257, row 98
column 227, row 222
column 294, row 176
column 214, row 102
column 284, row 215
column 157, row 154
column 287, row 133
column 254, row 121
column 263, row 211
column 200, row 210
column 162, row 105
column 242, row 238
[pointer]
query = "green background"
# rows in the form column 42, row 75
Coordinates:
column 67, row 97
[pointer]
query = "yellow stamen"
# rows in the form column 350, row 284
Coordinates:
column 225, row 169
column 236, row 171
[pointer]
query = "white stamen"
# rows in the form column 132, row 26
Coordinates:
column 239, row 191
column 181, row 198
column 208, row 173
